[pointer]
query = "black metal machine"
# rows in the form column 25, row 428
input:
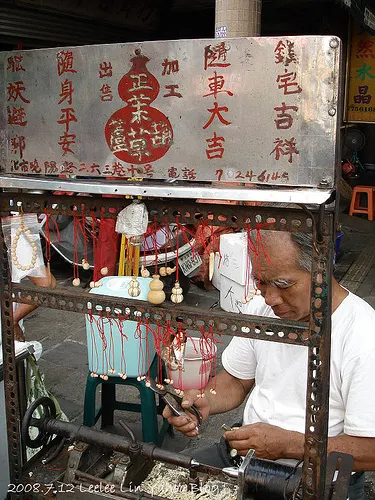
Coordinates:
column 102, row 464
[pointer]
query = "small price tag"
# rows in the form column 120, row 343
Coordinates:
column 189, row 262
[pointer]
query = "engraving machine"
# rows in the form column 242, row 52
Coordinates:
column 86, row 463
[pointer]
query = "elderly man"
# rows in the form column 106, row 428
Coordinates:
column 275, row 374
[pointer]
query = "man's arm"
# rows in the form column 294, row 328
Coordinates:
column 273, row 442
column 22, row 310
column 230, row 393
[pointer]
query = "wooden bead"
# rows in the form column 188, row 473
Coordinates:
column 86, row 266
column 76, row 282
column 92, row 284
column 104, row 271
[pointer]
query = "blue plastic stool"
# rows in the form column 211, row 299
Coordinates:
column 148, row 408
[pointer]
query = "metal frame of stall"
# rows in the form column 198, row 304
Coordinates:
column 316, row 336
column 320, row 106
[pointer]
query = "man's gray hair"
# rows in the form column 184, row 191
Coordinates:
column 304, row 243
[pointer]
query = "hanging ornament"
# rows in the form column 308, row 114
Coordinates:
column 76, row 282
column 132, row 221
column 134, row 289
column 176, row 295
column 104, row 271
column 170, row 270
column 23, row 229
column 163, row 271
column 85, row 265
column 156, row 295
column 145, row 273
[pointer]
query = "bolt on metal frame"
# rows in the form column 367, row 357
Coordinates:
column 315, row 335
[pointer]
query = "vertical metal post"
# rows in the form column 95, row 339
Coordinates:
column 317, row 397
column 12, row 407
column 237, row 18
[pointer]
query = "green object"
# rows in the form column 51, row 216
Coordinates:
column 35, row 389
column 148, row 407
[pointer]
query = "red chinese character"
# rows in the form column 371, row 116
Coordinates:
column 284, row 120
column 66, row 92
column 362, row 97
column 189, row 174
column 15, row 90
column 216, row 111
column 50, row 167
column 169, row 67
column 108, row 171
column 285, row 148
column 284, row 53
column 65, row 62
column 133, row 171
column 216, row 56
column 118, row 170
column 95, row 168
column 147, row 170
column 34, row 167
column 14, row 64
column 65, row 142
column 68, row 168
column 16, row 116
column 18, row 145
column 216, row 86
column 105, row 70
column 106, row 93
column 215, row 147
column 172, row 91
column 365, row 49
column 173, row 173
column 19, row 166
column 67, row 117
column 288, row 83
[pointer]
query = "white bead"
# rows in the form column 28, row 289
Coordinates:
column 104, row 271
column 98, row 284
column 76, row 282
column 92, row 284
column 86, row 266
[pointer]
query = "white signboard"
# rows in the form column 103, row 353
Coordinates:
column 249, row 110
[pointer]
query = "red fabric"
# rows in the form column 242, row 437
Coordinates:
column 106, row 248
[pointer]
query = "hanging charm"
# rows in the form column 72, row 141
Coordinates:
column 156, row 295
column 26, row 231
column 104, row 271
column 76, row 282
column 176, row 296
column 145, row 273
column 134, row 288
column 85, row 265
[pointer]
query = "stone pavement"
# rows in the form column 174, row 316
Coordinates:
column 64, row 358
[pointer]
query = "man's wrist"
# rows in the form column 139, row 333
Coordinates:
column 293, row 445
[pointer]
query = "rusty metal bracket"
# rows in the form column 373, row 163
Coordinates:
column 291, row 332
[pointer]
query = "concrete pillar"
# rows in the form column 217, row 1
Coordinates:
column 235, row 18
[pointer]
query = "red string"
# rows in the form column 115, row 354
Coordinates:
column 94, row 350
column 75, row 246
column 177, row 243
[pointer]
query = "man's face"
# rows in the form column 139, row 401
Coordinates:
column 283, row 285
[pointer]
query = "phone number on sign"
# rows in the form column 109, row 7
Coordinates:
column 40, row 488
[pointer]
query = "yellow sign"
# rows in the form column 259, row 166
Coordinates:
column 361, row 94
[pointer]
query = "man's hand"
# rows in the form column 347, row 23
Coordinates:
column 188, row 425
column 18, row 333
column 268, row 441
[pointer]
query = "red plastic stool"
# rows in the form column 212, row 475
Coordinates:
column 356, row 207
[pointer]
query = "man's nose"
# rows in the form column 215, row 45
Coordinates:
column 272, row 296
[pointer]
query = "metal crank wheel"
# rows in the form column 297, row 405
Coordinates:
column 49, row 411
